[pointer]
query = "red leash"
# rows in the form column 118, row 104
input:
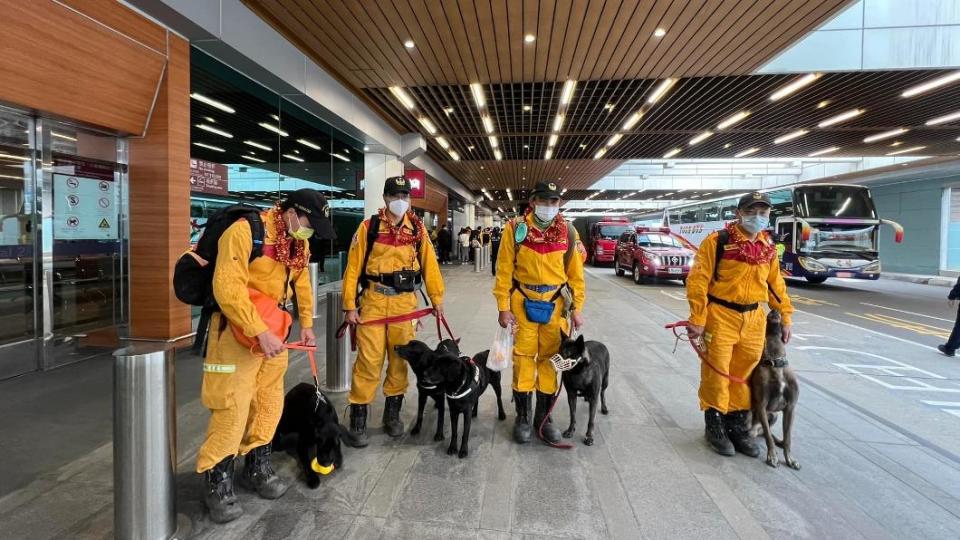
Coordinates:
column 556, row 398
column 393, row 320
column 299, row 346
column 700, row 349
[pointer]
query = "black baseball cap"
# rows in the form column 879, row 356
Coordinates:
column 751, row 199
column 396, row 184
column 312, row 204
column 546, row 190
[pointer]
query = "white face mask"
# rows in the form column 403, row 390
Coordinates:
column 399, row 207
column 546, row 213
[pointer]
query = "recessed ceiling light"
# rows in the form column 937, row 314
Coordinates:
column 823, row 103
column 443, row 143
column 609, row 107
column 830, row 150
column 731, row 120
column 293, row 157
column 212, row 129
column 448, row 110
column 885, row 135
column 567, row 166
column 842, row 117
column 213, row 103
column 470, row 148
column 477, row 90
column 672, row 153
column 341, row 157
column 794, row 86
column 366, row 148
column 906, row 150
column 403, row 97
column 526, row 146
column 493, row 141
column 943, row 119
column 210, row 119
column 487, row 123
column 408, row 44
column 428, row 125
column 296, row 152
column 728, row 145
column 553, row 140
column 308, row 144
column 548, row 154
column 659, row 32
column 583, row 146
column 252, row 158
column 896, row 143
column 790, row 136
column 700, row 138
column 529, row 38
column 567, row 94
column 481, row 167
column 661, row 90
column 69, row 138
column 200, row 144
column 558, row 122
column 258, row 145
column 454, row 155
column 600, row 153
column 930, row 85
column 497, row 154
column 632, row 121
column 614, row 139
column 747, row 152
column 274, row 129
column 527, row 108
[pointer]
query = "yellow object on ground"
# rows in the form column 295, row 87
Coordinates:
column 747, row 272
column 375, row 342
column 321, row 469
column 244, row 390
column 539, row 261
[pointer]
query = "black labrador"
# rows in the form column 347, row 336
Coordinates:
column 774, row 389
column 420, row 357
column 463, row 381
column 312, row 419
column 588, row 378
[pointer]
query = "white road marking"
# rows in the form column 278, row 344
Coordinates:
column 907, row 312
column 675, row 296
column 869, row 330
column 943, row 403
column 892, row 371
column 955, row 412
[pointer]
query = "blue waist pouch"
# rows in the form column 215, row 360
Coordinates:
column 538, row 311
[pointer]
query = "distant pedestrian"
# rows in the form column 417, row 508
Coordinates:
column 953, row 343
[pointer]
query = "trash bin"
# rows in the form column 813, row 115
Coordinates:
column 338, row 351
column 144, row 442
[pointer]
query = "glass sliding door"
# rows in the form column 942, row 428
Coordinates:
column 19, row 319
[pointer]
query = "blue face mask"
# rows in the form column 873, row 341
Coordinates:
column 754, row 224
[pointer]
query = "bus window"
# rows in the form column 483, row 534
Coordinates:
column 688, row 215
column 834, row 201
column 674, row 217
column 709, row 212
column 729, row 209
column 782, row 203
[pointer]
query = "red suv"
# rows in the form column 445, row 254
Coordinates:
column 653, row 252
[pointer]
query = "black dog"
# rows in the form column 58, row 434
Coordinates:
column 312, row 418
column 463, row 381
column 421, row 357
column 588, row 378
column 773, row 389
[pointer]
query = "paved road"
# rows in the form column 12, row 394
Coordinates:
column 870, row 346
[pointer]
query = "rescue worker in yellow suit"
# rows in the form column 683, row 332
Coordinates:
column 391, row 271
column 534, row 262
column 725, row 311
column 243, row 387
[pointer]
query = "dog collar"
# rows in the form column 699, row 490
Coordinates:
column 467, row 384
column 425, row 387
column 778, row 362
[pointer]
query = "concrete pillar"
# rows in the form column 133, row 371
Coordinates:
column 376, row 169
column 471, row 212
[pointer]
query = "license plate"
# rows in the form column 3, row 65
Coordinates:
column 675, row 270
column 845, row 274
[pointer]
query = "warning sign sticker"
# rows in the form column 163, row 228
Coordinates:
column 104, row 224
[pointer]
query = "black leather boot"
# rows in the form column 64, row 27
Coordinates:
column 549, row 433
column 258, row 474
column 358, row 424
column 391, row 416
column 735, row 423
column 521, row 428
column 716, row 434
column 218, row 493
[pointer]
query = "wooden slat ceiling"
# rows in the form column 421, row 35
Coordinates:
column 458, row 42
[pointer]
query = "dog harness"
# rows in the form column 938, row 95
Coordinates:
column 469, row 384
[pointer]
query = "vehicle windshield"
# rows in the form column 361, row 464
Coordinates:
column 658, row 241
column 612, row 232
column 834, row 202
column 841, row 238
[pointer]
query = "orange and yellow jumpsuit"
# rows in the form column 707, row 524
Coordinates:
column 374, row 342
column 244, row 389
column 537, row 263
column 734, row 340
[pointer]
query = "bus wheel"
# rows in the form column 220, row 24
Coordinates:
column 616, row 268
column 816, row 279
column 637, row 277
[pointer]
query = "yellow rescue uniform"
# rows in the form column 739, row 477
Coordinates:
column 374, row 342
column 243, row 389
column 747, row 272
column 539, row 262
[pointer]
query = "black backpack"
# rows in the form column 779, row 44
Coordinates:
column 193, row 273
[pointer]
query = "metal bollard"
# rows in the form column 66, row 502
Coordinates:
column 476, row 259
column 483, row 257
column 338, row 351
column 144, row 442
column 314, row 285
